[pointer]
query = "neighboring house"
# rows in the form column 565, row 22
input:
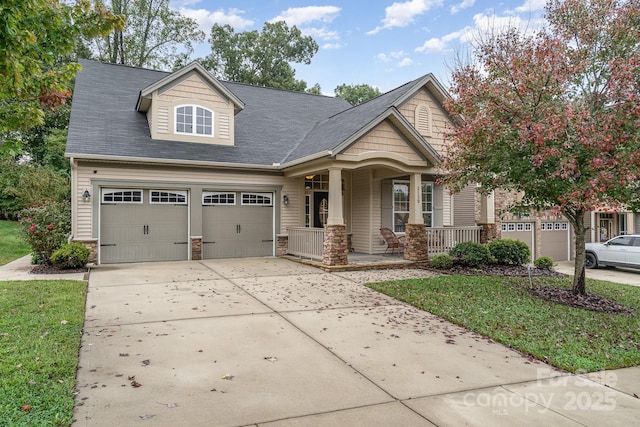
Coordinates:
column 178, row 166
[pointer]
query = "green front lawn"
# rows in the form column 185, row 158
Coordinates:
column 504, row 310
column 40, row 331
column 11, row 244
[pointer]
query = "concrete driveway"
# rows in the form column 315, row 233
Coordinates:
column 271, row 342
column 626, row 276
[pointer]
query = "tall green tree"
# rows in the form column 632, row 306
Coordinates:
column 34, row 34
column 154, row 35
column 554, row 116
column 260, row 58
column 356, row 94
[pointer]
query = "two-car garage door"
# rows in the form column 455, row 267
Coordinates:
column 139, row 225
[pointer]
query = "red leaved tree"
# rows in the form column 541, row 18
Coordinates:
column 554, row 115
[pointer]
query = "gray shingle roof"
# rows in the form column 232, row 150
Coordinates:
column 275, row 126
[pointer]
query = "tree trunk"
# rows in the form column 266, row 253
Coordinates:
column 577, row 221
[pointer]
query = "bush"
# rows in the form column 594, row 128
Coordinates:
column 544, row 262
column 471, row 254
column 510, row 251
column 71, row 255
column 442, row 261
column 45, row 227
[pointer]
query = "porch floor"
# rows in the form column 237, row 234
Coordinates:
column 360, row 261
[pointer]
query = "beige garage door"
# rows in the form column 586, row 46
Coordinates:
column 523, row 231
column 139, row 225
column 237, row 225
column 555, row 240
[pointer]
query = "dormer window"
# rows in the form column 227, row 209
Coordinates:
column 194, row 120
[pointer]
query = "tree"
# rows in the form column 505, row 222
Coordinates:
column 356, row 94
column 315, row 89
column 260, row 58
column 554, row 115
column 34, row 34
column 151, row 36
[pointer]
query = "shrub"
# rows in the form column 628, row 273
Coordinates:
column 45, row 227
column 71, row 255
column 544, row 262
column 442, row 261
column 509, row 251
column 471, row 254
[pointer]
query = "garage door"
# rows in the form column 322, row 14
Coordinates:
column 237, row 224
column 522, row 231
column 139, row 225
column 555, row 240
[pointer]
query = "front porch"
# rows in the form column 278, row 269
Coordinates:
column 309, row 244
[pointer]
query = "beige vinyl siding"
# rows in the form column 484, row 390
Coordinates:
column 383, row 138
column 192, row 90
column 439, row 118
column 447, row 211
column 464, row 202
column 361, row 210
column 206, row 178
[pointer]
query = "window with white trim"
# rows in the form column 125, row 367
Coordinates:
column 520, row 226
column 173, row 197
column 401, row 204
column 527, row 226
column 215, row 198
column 194, row 120
column 257, row 199
column 511, row 226
column 121, row 196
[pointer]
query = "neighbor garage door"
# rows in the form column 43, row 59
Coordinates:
column 555, row 240
column 237, row 224
column 523, row 231
column 143, row 225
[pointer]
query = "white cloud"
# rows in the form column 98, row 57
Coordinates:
column 405, row 62
column 321, row 33
column 398, row 54
column 382, row 57
column 206, row 19
column 402, row 14
column 464, row 5
column 332, row 46
column 433, row 45
column 302, row 15
column 531, row 6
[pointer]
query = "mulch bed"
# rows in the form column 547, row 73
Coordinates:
column 49, row 269
column 558, row 295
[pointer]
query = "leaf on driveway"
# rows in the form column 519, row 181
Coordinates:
column 147, row 416
column 228, row 377
column 145, row 362
column 271, row 358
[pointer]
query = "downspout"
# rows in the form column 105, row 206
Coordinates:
column 74, row 199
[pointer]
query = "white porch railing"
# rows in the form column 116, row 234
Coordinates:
column 305, row 242
column 441, row 240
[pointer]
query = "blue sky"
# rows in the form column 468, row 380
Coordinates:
column 383, row 43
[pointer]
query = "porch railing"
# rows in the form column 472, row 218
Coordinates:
column 441, row 240
column 305, row 242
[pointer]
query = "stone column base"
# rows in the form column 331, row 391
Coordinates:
column 489, row 233
column 282, row 244
column 92, row 245
column 196, row 248
column 335, row 246
column 415, row 242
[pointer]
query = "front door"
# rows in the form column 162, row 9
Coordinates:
column 606, row 229
column 320, row 208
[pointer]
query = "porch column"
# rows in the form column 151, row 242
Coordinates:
column 335, row 247
column 415, row 230
column 489, row 231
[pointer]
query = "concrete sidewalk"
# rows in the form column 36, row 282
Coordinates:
column 271, row 342
column 20, row 269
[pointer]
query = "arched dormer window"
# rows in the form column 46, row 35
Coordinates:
column 194, row 120
column 423, row 120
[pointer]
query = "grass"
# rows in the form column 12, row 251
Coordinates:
column 40, row 331
column 504, row 310
column 11, row 244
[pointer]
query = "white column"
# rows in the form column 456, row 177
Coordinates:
column 415, row 199
column 336, row 216
column 487, row 209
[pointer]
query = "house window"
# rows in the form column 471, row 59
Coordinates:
column 194, row 120
column 218, row 199
column 175, row 197
column 121, row 196
column 307, row 210
column 520, row 226
column 257, row 199
column 401, row 205
column 527, row 226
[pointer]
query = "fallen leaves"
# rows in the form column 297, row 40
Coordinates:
column 228, row 377
column 271, row 359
